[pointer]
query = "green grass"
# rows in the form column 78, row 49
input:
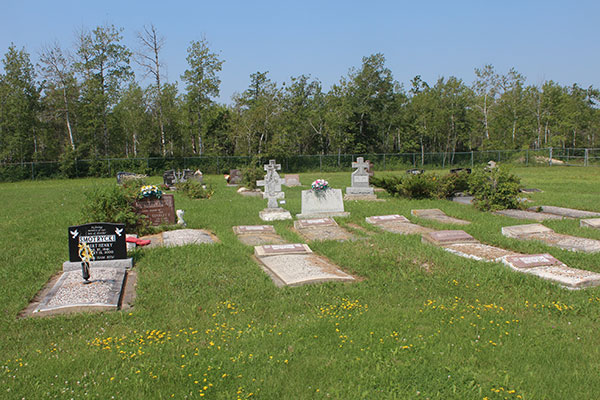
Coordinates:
column 208, row 316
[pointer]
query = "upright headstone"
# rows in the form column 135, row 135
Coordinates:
column 272, row 184
column 292, row 180
column 186, row 175
column 126, row 176
column 107, row 241
column 169, row 178
column 197, row 176
column 325, row 203
column 159, row 211
column 235, row 177
column 360, row 189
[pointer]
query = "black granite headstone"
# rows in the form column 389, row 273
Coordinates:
column 107, row 241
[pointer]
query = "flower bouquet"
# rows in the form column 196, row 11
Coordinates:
column 148, row 191
column 320, row 186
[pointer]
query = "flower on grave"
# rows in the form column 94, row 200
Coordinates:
column 148, row 191
column 320, row 185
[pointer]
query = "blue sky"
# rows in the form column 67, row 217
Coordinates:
column 543, row 40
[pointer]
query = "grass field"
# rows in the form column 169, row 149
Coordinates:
column 208, row 322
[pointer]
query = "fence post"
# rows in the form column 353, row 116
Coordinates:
column 320, row 162
column 527, row 157
column 109, row 171
column 471, row 159
column 32, row 172
column 384, row 161
column 585, row 158
column 414, row 160
column 550, row 158
column 498, row 156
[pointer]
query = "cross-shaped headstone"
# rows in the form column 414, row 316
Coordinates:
column 272, row 181
column 360, row 177
column 272, row 167
column 361, row 165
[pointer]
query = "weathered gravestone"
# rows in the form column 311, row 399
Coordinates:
column 292, row 180
column 323, row 203
column 523, row 214
column 590, row 223
column 295, row 264
column 397, row 224
column 548, row 236
column 447, row 237
column 255, row 235
column 438, row 215
column 171, row 177
column 463, row 198
column 180, row 237
column 566, row 212
column 235, row 177
column 158, row 210
column 272, row 184
column 127, row 176
column 547, row 267
column 321, row 229
column 360, row 189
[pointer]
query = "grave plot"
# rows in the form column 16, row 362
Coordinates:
column 478, row 251
column 444, row 238
column 321, row 229
column 590, row 223
column 526, row 214
column 295, row 265
column 547, row 267
column 546, row 235
column 70, row 294
column 255, row 235
column 566, row 212
column 181, row 237
column 397, row 224
column 438, row 215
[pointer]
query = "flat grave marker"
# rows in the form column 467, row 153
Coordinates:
column 518, row 231
column 295, row 264
column 548, row 236
column 438, row 215
column 321, row 229
column 397, row 224
column 524, row 214
column 590, row 223
column 566, row 212
column 379, row 219
column 159, row 211
column 478, row 251
column 521, row 261
column 446, row 237
column 571, row 278
column 180, row 237
column 255, row 235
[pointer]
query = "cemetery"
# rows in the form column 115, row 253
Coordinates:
column 224, row 289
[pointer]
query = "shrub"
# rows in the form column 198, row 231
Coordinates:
column 452, row 183
column 195, row 190
column 422, row 186
column 495, row 189
column 115, row 204
column 252, row 173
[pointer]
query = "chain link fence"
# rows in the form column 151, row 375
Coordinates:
column 107, row 167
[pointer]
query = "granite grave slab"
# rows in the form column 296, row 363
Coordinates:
column 321, row 229
column 447, row 237
column 69, row 293
column 548, row 236
column 181, row 237
column 327, row 203
column 590, row 223
column 295, row 264
column 463, row 199
column 571, row 278
column 256, row 235
column 521, row 261
column 566, row 212
column 438, row 215
column 235, row 177
column 526, row 214
column 397, row 224
column 478, row 251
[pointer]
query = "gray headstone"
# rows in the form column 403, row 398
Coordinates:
column 255, row 235
column 235, row 177
column 360, row 179
column 531, row 260
column 518, row 231
column 169, row 178
column 445, row 237
column 523, row 214
column 378, row 219
column 292, row 180
column 548, row 236
column 397, row 224
column 590, row 223
column 327, row 203
column 321, row 229
column 571, row 278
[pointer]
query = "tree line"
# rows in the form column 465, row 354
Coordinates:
column 87, row 103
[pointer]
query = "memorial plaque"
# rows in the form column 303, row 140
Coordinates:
column 386, row 218
column 309, row 223
column 159, row 211
column 327, row 203
column 278, row 249
column 531, row 260
column 518, row 231
column 235, row 177
column 448, row 237
column 107, row 241
column 571, row 278
column 523, row 214
column 242, row 229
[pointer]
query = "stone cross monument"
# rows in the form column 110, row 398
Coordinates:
column 272, row 184
column 360, row 179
